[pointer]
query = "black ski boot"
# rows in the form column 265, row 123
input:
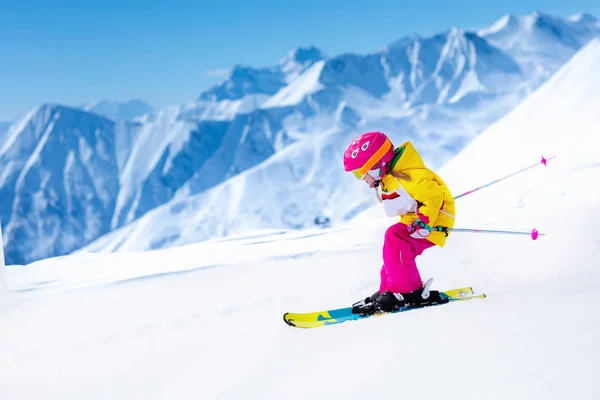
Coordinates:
column 384, row 302
column 424, row 296
column 388, row 301
column 366, row 302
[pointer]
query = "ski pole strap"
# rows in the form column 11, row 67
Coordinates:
column 422, row 224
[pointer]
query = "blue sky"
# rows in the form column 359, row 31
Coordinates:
column 73, row 52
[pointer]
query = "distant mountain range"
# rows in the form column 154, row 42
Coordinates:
column 263, row 148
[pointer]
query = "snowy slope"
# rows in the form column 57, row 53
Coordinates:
column 559, row 119
column 204, row 320
column 299, row 88
column 115, row 110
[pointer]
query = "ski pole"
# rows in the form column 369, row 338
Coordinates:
column 543, row 161
column 533, row 234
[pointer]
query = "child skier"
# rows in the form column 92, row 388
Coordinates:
column 408, row 189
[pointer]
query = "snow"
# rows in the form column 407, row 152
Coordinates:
column 204, row 320
column 243, row 81
column 35, row 155
column 299, row 60
column 223, row 110
column 497, row 26
column 470, row 84
column 58, row 182
column 115, row 110
column 287, row 190
column 15, row 131
column 145, row 154
column 292, row 94
column 541, row 43
column 587, row 21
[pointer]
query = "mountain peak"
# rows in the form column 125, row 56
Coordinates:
column 240, row 71
column 402, row 42
column 49, row 109
column 511, row 22
column 455, row 31
column 299, row 60
column 303, row 54
column 538, row 28
column 53, row 111
column 502, row 23
column 539, row 17
column 244, row 80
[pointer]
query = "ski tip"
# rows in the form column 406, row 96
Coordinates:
column 288, row 321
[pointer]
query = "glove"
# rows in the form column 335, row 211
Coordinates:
column 420, row 228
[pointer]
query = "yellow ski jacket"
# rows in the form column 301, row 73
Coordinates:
column 432, row 196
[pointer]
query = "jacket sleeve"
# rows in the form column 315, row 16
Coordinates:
column 431, row 195
column 398, row 202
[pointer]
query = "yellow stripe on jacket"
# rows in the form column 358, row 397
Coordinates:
column 427, row 188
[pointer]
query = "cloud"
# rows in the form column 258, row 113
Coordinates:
column 218, row 73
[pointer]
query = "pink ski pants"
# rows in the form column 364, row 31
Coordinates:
column 399, row 273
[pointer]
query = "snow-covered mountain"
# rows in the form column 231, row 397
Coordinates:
column 175, row 154
column 203, row 321
column 70, row 176
column 539, row 42
column 54, row 198
column 289, row 190
column 246, row 89
column 438, row 92
column 244, row 80
column 287, row 124
column 116, row 110
column 59, row 181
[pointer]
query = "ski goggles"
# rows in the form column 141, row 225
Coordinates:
column 375, row 173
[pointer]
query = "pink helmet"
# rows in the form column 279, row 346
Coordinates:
column 371, row 150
